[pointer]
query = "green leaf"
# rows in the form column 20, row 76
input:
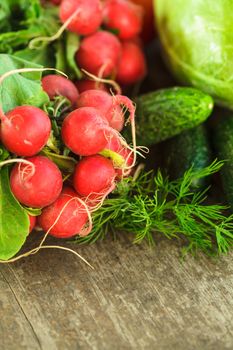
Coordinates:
column 60, row 56
column 14, row 222
column 72, row 46
column 10, row 41
column 43, row 56
column 63, row 162
column 20, row 89
column 26, row 20
column 32, row 9
column 4, row 15
column 4, row 154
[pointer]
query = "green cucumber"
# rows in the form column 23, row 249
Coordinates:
column 223, row 143
column 189, row 149
column 165, row 113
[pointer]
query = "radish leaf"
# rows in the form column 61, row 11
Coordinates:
column 14, row 221
column 72, row 45
column 20, row 89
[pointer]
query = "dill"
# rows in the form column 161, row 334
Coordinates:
column 152, row 204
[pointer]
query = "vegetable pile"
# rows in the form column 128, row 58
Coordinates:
column 90, row 29
column 68, row 150
column 70, row 164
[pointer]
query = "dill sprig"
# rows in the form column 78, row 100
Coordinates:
column 151, row 205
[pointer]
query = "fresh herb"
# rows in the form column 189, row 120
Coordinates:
column 152, row 205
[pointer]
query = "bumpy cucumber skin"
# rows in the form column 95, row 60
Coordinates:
column 165, row 113
column 190, row 148
column 223, row 143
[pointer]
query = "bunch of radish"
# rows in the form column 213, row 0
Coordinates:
column 110, row 45
column 89, row 130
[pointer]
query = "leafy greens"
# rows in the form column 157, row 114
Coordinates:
column 21, row 21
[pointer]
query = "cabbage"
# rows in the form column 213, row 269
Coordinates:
column 197, row 39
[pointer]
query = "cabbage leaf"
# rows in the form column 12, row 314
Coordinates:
column 197, row 40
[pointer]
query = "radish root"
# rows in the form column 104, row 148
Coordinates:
column 20, row 161
column 105, row 81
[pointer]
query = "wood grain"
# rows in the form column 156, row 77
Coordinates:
column 136, row 298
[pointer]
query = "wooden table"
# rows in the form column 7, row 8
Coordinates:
column 136, row 298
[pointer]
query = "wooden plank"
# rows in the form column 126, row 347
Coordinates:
column 136, row 298
column 15, row 327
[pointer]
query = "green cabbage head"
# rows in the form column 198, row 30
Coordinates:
column 197, row 38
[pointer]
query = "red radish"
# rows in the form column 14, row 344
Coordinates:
column 37, row 185
column 57, row 85
column 32, row 220
column 103, row 101
column 98, row 99
column 86, row 84
column 84, row 131
column 88, row 18
column 132, row 66
column 123, row 16
column 99, row 53
column 148, row 33
column 25, row 130
column 118, row 119
column 93, row 175
column 65, row 217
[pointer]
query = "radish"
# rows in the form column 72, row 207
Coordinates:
column 86, row 84
column 99, row 53
column 123, row 16
column 32, row 220
column 36, row 185
column 103, row 102
column 84, row 131
column 57, row 85
column 132, row 66
column 25, row 130
column 65, row 217
column 93, row 175
column 89, row 15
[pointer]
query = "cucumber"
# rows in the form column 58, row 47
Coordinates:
column 223, row 143
column 165, row 113
column 189, row 149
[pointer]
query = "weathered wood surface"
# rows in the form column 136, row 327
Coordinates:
column 136, row 298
